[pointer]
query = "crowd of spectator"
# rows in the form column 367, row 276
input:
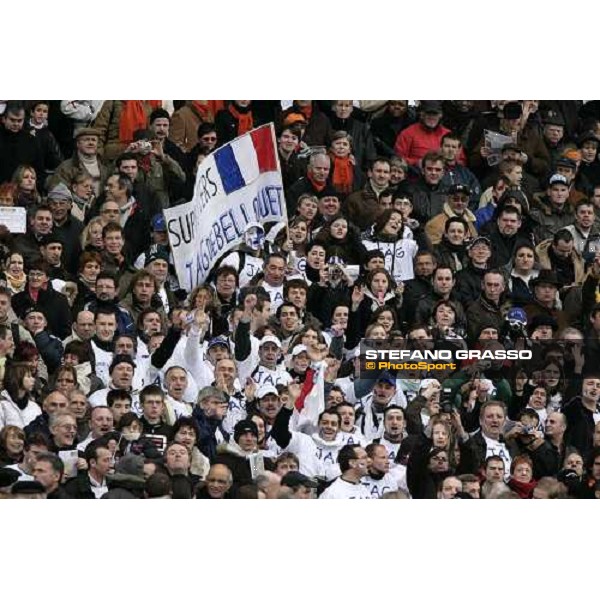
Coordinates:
column 427, row 225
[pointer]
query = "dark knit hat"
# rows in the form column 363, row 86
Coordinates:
column 245, row 426
column 121, row 358
column 27, row 487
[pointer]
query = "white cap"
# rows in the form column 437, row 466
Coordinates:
column 426, row 382
column 265, row 390
column 270, row 338
column 299, row 349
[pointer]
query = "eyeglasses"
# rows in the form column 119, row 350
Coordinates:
column 211, row 138
column 36, row 274
column 68, row 427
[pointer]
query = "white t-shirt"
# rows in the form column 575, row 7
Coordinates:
column 344, row 490
column 398, row 257
column 263, row 376
column 252, row 266
column 391, row 448
column 378, row 487
column 496, row 448
column 276, row 294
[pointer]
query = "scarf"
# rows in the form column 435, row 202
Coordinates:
column 88, row 283
column 16, row 284
column 36, row 126
column 133, row 117
column 34, row 294
column 202, row 109
column 378, row 189
column 243, row 116
column 145, row 163
column 21, row 402
column 126, row 211
column 524, row 490
column 343, row 174
column 83, row 371
column 106, row 346
column 318, row 186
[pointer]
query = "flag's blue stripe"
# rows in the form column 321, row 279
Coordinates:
column 230, row 173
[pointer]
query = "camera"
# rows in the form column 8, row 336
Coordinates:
column 515, row 329
column 143, row 147
column 446, row 404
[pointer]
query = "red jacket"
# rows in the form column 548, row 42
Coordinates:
column 414, row 142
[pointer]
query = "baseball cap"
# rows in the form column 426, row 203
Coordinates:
column 220, row 340
column 430, row 106
column 265, row 390
column 156, row 252
column 459, row 188
column 554, row 119
column 295, row 479
column 565, row 161
column 158, row 223
column 480, row 239
column 517, row 314
column 558, row 179
column 299, row 349
column 387, row 377
column 270, row 339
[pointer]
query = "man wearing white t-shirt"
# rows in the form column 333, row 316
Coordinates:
column 354, row 464
column 273, row 278
column 488, row 441
column 379, row 480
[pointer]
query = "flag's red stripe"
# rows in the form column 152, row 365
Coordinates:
column 306, row 389
column 265, row 150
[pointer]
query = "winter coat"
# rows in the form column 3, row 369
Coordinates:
column 305, row 186
column 318, row 129
column 107, row 123
column 207, row 441
column 11, row 414
column 548, row 220
column 19, row 149
column 184, row 127
column 363, row 147
column 51, row 154
column 66, row 171
column 545, row 261
column 414, row 142
column 434, row 229
column 69, row 233
column 450, row 256
column 468, row 283
column 482, row 312
column 362, row 207
column 53, row 304
column 236, row 459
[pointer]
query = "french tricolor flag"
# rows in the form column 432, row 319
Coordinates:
column 247, row 157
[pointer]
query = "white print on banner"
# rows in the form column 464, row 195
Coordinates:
column 238, row 184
